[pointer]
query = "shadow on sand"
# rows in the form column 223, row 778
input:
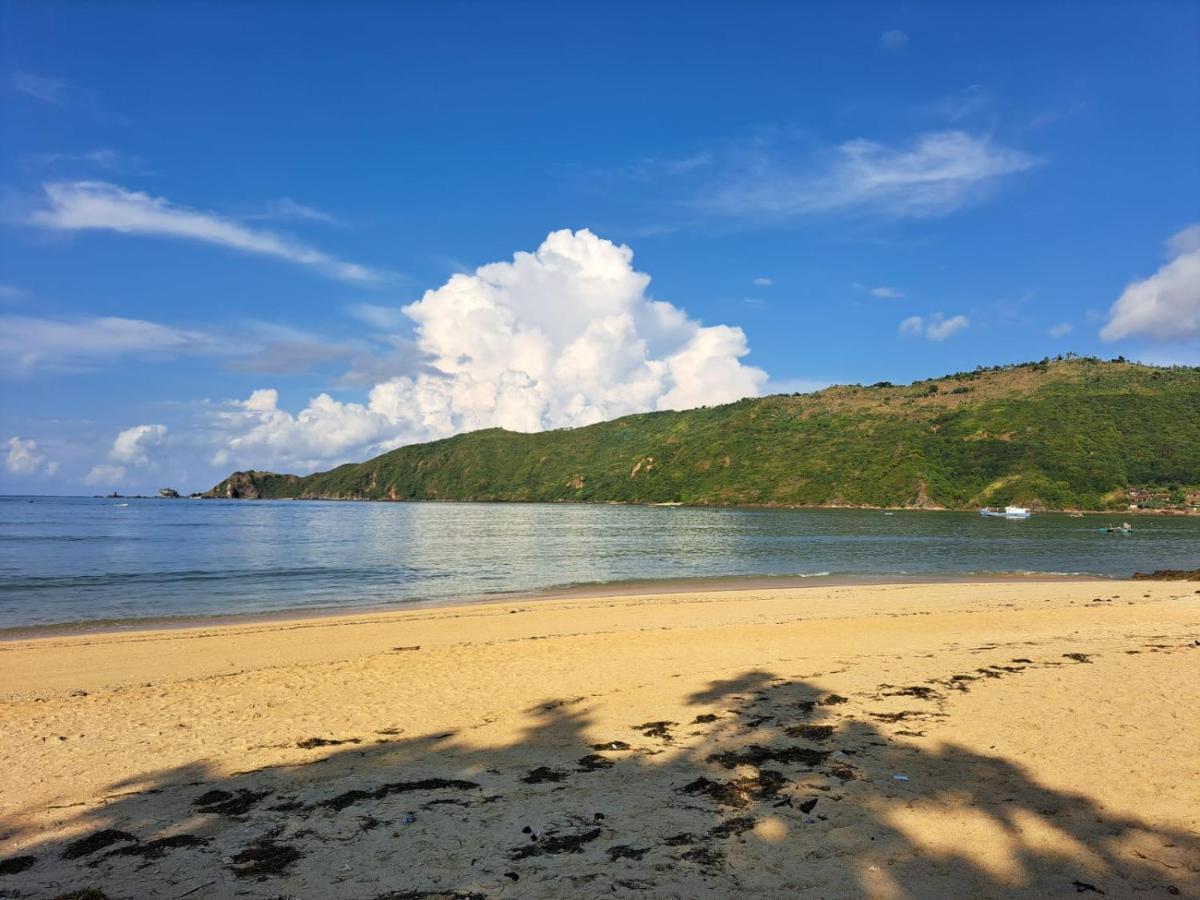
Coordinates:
column 774, row 789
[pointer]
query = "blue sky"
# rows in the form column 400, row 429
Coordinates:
column 248, row 236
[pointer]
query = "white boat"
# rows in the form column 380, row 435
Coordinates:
column 1009, row 512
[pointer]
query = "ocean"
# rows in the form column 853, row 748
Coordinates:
column 90, row 561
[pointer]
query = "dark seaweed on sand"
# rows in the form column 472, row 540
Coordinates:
column 264, row 858
column 756, row 755
column 15, row 864
column 349, row 798
column 96, row 841
column 562, row 843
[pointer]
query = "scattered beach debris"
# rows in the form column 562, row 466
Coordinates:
column 809, row 805
column 89, row 893
column 756, row 755
column 15, row 864
column 730, row 827
column 833, row 700
column 899, row 777
column 920, row 691
column 96, row 841
column 349, row 798
column 741, row 791
column 406, row 649
column 313, row 742
column 264, row 858
column 611, row 745
column 1079, row 657
column 660, row 729
column 704, row 719
column 1082, row 887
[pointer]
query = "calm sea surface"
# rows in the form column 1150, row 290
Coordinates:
column 75, row 560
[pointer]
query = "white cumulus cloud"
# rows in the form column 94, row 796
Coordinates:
column 98, row 205
column 1165, row 306
column 133, row 445
column 23, row 458
column 563, row 336
column 934, row 328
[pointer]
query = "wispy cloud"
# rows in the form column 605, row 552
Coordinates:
column 895, row 39
column 1062, row 329
column 934, row 328
column 1165, row 306
column 41, row 87
column 30, row 344
column 763, row 281
column 102, row 158
column 60, row 92
column 933, row 175
column 883, row 292
column 97, row 205
column 286, row 209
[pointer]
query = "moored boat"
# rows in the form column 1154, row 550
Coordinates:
column 1009, row 512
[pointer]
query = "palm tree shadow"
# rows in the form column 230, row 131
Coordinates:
column 775, row 788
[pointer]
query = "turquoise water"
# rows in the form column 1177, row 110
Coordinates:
column 65, row 560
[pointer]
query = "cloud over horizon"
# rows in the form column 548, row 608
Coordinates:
column 1165, row 306
column 560, row 337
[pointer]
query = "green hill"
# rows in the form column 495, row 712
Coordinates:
column 1067, row 433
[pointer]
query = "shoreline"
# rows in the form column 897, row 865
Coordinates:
column 994, row 738
column 666, row 504
column 591, row 590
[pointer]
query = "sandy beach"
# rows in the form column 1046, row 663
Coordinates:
column 1006, row 739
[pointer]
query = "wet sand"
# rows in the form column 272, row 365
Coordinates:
column 1016, row 738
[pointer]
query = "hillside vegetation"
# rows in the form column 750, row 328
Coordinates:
column 1060, row 434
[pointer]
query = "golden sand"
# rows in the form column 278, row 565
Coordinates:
column 1027, row 739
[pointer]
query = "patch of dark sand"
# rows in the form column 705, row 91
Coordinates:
column 756, row 755
column 810, row 732
column 313, row 742
column 264, row 858
column 96, row 841
column 16, row 864
column 833, row 700
column 559, row 843
column 741, row 791
column 349, row 798
column 82, row 894
column 226, row 803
